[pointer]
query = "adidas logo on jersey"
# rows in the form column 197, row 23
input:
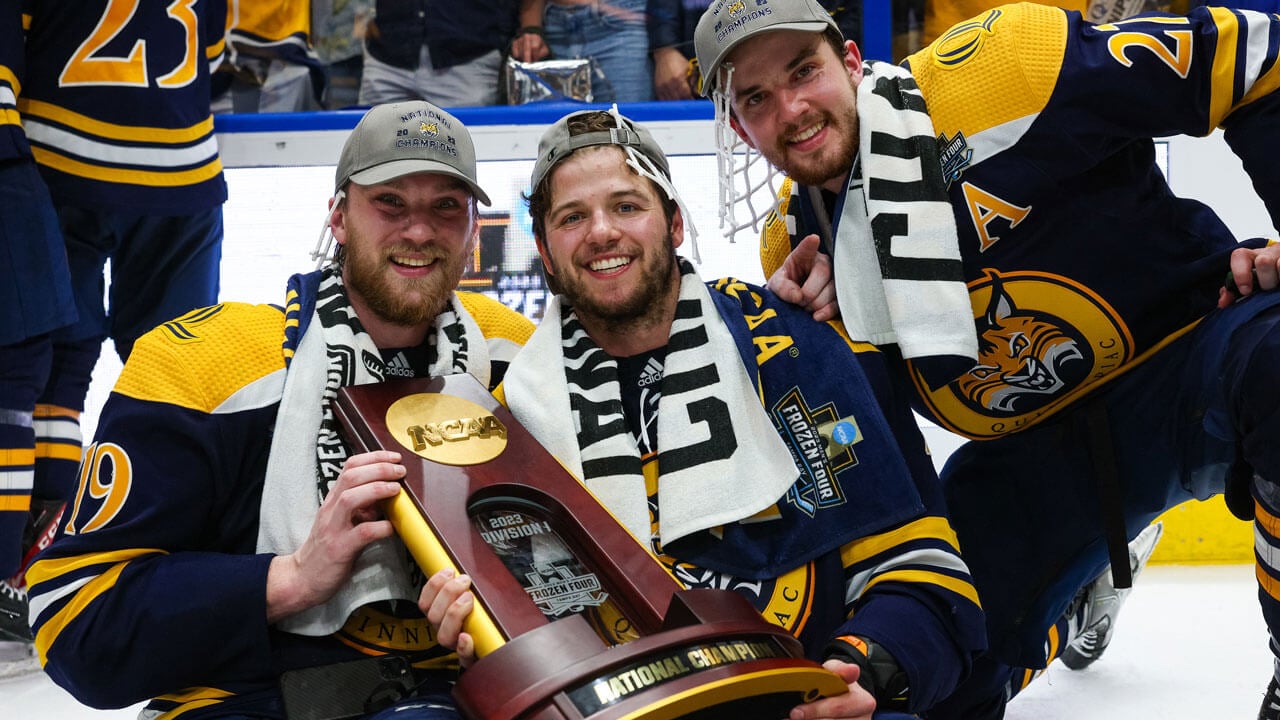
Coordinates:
column 652, row 373
column 399, row 367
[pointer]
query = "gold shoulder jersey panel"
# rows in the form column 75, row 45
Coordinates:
column 200, row 359
column 775, row 239
column 940, row 15
column 1015, row 48
column 495, row 319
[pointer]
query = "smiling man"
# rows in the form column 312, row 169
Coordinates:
column 744, row 444
column 224, row 556
column 992, row 212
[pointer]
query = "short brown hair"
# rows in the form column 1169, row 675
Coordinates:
column 539, row 198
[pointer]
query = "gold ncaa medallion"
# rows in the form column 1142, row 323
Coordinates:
column 446, row 429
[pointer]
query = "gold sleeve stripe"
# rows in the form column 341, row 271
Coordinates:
column 925, row 577
column 191, row 695
column 216, row 49
column 10, row 117
column 1266, row 84
column 926, row 528
column 1053, row 640
column 194, row 176
column 83, row 596
column 57, row 567
column 6, row 75
column 181, row 711
column 1222, row 87
column 112, row 131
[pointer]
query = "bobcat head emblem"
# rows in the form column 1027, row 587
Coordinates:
column 1025, row 359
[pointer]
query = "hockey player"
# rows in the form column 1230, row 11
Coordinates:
column 35, row 299
column 270, row 65
column 842, row 542
column 1005, row 178
column 116, row 107
column 219, row 556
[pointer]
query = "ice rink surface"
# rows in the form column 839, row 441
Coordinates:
column 1190, row 642
column 1190, row 645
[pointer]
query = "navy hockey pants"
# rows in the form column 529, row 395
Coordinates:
column 1026, row 507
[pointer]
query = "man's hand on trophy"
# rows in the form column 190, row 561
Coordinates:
column 446, row 600
column 857, row 703
column 347, row 521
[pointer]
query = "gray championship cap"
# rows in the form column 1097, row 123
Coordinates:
column 726, row 23
column 556, row 144
column 399, row 139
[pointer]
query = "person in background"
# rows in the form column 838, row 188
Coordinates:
column 35, row 300
column 122, row 134
column 992, row 211
column 449, row 53
column 671, row 24
column 270, row 66
column 337, row 33
column 612, row 33
column 694, row 413
column 225, row 556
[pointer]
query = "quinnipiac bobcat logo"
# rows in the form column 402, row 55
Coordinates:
column 785, row 601
column 1042, row 339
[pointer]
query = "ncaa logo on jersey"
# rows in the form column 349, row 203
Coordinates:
column 964, row 40
column 1042, row 340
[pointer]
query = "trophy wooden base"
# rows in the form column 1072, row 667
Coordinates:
column 573, row 619
column 718, row 660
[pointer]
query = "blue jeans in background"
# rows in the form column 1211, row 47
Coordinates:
column 611, row 31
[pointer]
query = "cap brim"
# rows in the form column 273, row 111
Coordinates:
column 387, row 172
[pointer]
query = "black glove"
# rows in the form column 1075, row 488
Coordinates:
column 880, row 675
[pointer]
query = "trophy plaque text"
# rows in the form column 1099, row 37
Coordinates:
column 573, row 618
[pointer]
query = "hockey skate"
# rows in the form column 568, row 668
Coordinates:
column 1093, row 611
column 17, row 656
column 13, row 614
column 1270, row 709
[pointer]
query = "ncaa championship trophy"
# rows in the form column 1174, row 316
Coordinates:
column 573, row 619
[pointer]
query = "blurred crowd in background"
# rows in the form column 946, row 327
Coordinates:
column 297, row 55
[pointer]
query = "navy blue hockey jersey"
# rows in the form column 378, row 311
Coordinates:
column 154, row 587
column 1079, row 259
column 116, row 102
